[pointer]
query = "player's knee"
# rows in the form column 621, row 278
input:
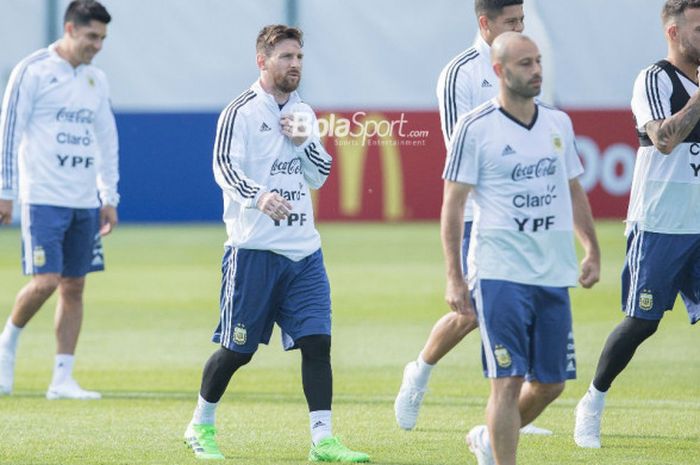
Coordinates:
column 548, row 391
column 72, row 288
column 465, row 323
column 317, row 346
column 232, row 359
column 45, row 284
column 639, row 329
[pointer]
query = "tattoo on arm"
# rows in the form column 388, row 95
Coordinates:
column 668, row 133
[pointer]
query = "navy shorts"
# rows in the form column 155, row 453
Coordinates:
column 260, row 288
column 657, row 268
column 61, row 240
column 525, row 331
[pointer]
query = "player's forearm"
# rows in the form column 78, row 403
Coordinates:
column 452, row 229
column 316, row 164
column 667, row 134
column 583, row 220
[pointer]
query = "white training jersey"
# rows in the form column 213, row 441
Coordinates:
column 252, row 156
column 58, row 138
column 665, row 195
column 523, row 220
column 465, row 83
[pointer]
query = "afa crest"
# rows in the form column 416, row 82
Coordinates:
column 558, row 143
column 502, row 356
column 39, row 256
column 240, row 334
column 646, row 300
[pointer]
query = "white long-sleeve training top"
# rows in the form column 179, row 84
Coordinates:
column 252, row 156
column 58, row 137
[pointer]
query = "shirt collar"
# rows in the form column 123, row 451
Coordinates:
column 482, row 47
column 269, row 99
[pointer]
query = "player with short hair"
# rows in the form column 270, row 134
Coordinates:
column 519, row 160
column 267, row 154
column 663, row 218
column 466, row 82
column 59, row 156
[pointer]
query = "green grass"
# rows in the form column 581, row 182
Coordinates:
column 146, row 336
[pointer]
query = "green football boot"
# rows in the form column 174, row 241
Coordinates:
column 331, row 450
column 200, row 438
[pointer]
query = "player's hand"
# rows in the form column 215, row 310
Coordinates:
column 274, row 205
column 108, row 219
column 457, row 297
column 590, row 271
column 295, row 130
column 5, row 211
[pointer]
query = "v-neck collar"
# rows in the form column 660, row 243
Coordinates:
column 520, row 123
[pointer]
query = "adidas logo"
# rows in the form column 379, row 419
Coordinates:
column 53, row 80
column 507, row 151
column 485, row 83
column 318, row 424
column 264, row 127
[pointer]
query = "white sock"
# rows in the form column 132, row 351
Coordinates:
column 62, row 369
column 422, row 373
column 321, row 428
column 10, row 336
column 205, row 412
column 596, row 398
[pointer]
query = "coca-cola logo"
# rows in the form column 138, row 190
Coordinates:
column 83, row 115
column 544, row 167
column 292, row 166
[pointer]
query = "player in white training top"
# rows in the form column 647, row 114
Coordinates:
column 59, row 158
column 663, row 218
column 267, row 154
column 466, row 82
column 519, row 159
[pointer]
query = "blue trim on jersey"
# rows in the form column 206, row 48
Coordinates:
column 224, row 138
column 450, row 91
column 455, row 157
column 10, row 122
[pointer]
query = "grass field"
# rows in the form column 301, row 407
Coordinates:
column 149, row 319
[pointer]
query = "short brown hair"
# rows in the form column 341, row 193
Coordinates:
column 271, row 35
column 674, row 9
column 493, row 8
column 81, row 12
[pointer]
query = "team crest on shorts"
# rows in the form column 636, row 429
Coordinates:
column 39, row 256
column 502, row 356
column 240, row 335
column 646, row 300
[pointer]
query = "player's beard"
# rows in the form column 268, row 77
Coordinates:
column 288, row 83
column 690, row 52
column 521, row 88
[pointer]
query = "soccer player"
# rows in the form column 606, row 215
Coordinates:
column 267, row 155
column 58, row 143
column 663, row 218
column 518, row 158
column 466, row 82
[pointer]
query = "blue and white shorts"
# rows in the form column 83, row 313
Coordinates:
column 525, row 331
column 657, row 268
column 260, row 288
column 61, row 240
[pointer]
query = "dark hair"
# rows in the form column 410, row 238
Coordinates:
column 271, row 35
column 493, row 8
column 81, row 12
